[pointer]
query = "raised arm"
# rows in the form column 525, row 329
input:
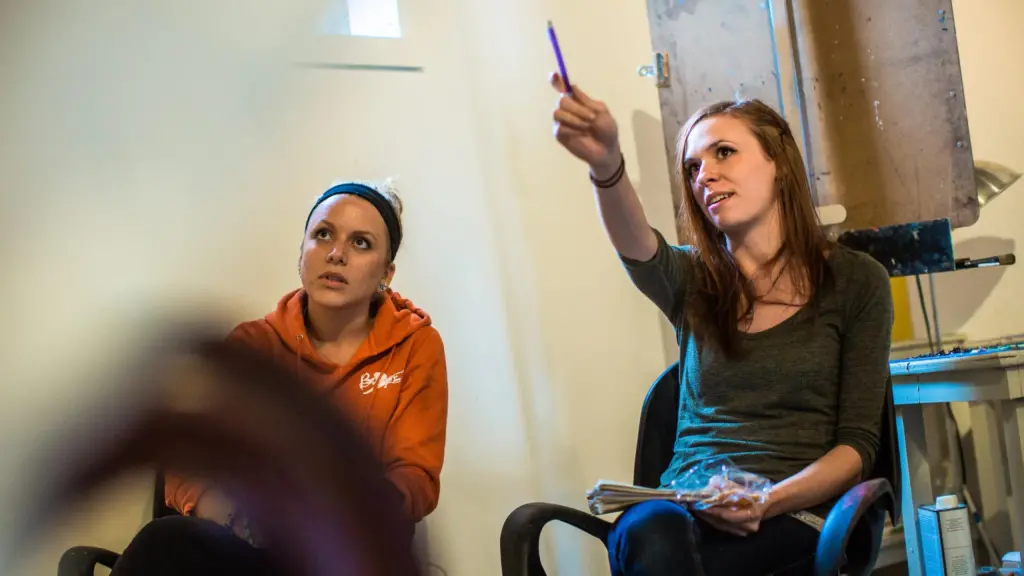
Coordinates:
column 585, row 128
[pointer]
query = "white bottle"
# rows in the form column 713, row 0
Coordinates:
column 945, row 530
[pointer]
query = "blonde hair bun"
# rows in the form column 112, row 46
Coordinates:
column 388, row 189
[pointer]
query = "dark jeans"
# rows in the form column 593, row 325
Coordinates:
column 661, row 538
column 179, row 545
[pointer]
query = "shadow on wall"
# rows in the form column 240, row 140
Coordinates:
column 960, row 294
column 650, row 136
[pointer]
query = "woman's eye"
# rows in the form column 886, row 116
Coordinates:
column 323, row 234
column 361, row 243
column 724, row 152
column 691, row 171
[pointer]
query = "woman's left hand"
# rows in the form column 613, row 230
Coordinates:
column 737, row 521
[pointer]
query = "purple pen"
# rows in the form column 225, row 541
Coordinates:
column 558, row 56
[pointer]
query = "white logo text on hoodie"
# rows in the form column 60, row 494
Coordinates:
column 371, row 381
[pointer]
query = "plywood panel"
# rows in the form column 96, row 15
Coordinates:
column 883, row 99
column 877, row 96
column 718, row 50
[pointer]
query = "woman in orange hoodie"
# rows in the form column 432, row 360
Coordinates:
column 373, row 354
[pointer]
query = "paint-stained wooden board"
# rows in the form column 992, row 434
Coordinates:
column 873, row 87
column 885, row 113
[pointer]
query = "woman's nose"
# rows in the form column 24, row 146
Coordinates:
column 708, row 173
column 337, row 255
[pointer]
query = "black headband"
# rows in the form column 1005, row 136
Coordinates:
column 378, row 200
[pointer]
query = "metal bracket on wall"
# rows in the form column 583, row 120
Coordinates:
column 659, row 70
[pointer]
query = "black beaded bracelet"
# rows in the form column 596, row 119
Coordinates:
column 614, row 178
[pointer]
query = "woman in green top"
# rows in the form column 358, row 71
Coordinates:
column 784, row 337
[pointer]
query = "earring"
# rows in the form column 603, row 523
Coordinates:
column 383, row 287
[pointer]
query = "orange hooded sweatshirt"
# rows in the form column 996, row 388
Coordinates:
column 395, row 388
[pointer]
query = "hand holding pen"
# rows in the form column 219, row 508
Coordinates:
column 583, row 126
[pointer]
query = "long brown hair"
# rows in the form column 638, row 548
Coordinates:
column 723, row 295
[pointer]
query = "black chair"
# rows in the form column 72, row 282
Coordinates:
column 850, row 538
column 83, row 560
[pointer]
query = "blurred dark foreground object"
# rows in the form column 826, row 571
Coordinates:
column 216, row 410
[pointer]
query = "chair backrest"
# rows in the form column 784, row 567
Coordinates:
column 160, row 507
column 659, row 418
column 887, row 460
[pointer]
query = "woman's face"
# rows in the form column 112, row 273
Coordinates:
column 345, row 253
column 732, row 179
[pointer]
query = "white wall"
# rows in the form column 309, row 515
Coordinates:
column 586, row 345
column 983, row 304
column 134, row 169
column 137, row 175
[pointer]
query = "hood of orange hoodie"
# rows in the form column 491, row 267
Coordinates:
column 396, row 320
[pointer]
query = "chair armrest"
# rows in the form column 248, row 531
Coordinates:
column 520, row 535
column 82, row 560
column 857, row 519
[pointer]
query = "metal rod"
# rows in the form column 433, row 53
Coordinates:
column 990, row 547
column 787, row 67
column 924, row 312
column 819, row 150
column 935, row 312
